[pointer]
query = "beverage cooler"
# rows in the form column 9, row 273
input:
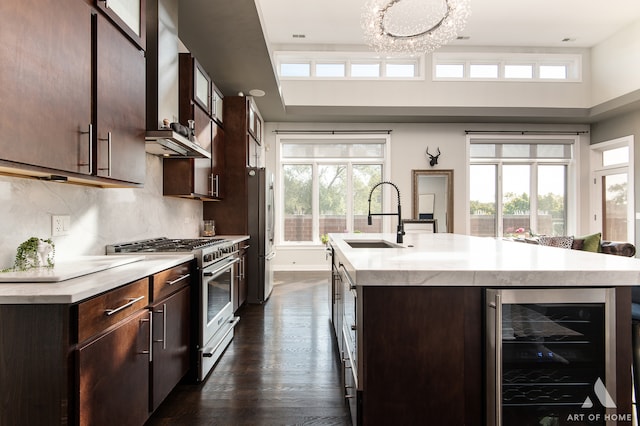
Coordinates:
column 550, row 356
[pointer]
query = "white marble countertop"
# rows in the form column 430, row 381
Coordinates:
column 461, row 260
column 80, row 288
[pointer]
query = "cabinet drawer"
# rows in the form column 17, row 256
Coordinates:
column 170, row 280
column 99, row 313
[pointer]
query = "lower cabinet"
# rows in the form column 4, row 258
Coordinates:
column 114, row 375
column 170, row 361
column 108, row 360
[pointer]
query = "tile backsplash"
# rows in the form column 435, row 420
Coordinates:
column 98, row 216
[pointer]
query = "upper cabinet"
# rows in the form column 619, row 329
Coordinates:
column 129, row 16
column 217, row 104
column 197, row 178
column 72, row 96
column 45, row 85
column 120, row 106
column 201, row 84
column 199, row 88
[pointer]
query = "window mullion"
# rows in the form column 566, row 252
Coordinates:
column 315, row 204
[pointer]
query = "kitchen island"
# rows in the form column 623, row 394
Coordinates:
column 413, row 324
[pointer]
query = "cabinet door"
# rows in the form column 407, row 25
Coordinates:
column 202, row 166
column 45, row 83
column 114, row 375
column 120, row 105
column 171, row 321
column 217, row 161
column 128, row 15
column 201, row 87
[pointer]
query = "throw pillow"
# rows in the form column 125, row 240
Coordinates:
column 590, row 242
column 562, row 242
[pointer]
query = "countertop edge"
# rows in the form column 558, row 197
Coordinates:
column 77, row 289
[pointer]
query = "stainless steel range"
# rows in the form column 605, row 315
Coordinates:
column 215, row 259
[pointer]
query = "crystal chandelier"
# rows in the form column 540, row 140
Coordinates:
column 413, row 27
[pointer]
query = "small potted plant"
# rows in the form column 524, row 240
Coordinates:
column 34, row 253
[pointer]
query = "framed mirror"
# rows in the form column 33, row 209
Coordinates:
column 433, row 197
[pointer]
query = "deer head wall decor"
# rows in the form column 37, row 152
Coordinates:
column 433, row 159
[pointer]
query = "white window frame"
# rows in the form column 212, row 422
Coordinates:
column 311, row 138
column 573, row 197
column 347, row 58
column 572, row 62
column 598, row 171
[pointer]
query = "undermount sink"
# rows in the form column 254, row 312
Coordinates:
column 372, row 244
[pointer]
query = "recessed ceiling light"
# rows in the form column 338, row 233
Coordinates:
column 256, row 93
column 567, row 39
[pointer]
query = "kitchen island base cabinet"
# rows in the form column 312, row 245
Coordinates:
column 421, row 354
column 421, row 348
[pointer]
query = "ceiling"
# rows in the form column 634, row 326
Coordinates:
column 230, row 40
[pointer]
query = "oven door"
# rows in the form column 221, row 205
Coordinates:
column 216, row 313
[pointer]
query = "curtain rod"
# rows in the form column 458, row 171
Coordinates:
column 330, row 132
column 528, row 132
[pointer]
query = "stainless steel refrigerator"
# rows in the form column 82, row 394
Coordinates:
column 261, row 230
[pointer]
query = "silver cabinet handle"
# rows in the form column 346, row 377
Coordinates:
column 164, row 326
column 150, row 351
column 132, row 301
column 215, row 187
column 178, row 279
column 89, row 163
column 108, row 168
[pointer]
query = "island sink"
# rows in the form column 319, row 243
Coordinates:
column 372, row 244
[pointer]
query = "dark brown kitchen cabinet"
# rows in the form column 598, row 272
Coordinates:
column 45, row 84
column 120, row 106
column 84, row 122
column 197, row 178
column 113, row 356
column 114, row 375
column 239, row 295
column 129, row 16
column 171, row 310
column 231, row 213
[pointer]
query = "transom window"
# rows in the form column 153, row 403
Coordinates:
column 347, row 65
column 460, row 66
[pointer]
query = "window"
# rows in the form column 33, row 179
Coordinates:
column 478, row 66
column 365, row 70
column 326, row 181
column 295, row 70
column 330, row 70
column 346, row 65
column 518, row 185
column 612, row 193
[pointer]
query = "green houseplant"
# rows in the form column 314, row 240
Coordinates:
column 34, row 253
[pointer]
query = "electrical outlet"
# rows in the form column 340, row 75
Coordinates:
column 60, row 225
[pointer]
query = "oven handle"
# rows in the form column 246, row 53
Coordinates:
column 207, row 273
column 209, row 353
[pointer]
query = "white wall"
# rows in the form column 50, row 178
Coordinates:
column 98, row 216
column 408, row 146
column 615, row 64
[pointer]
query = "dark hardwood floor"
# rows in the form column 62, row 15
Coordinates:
column 280, row 368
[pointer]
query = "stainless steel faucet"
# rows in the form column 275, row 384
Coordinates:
column 400, row 230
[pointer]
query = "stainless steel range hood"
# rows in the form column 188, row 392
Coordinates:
column 168, row 143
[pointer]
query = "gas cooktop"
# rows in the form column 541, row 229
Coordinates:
column 164, row 244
